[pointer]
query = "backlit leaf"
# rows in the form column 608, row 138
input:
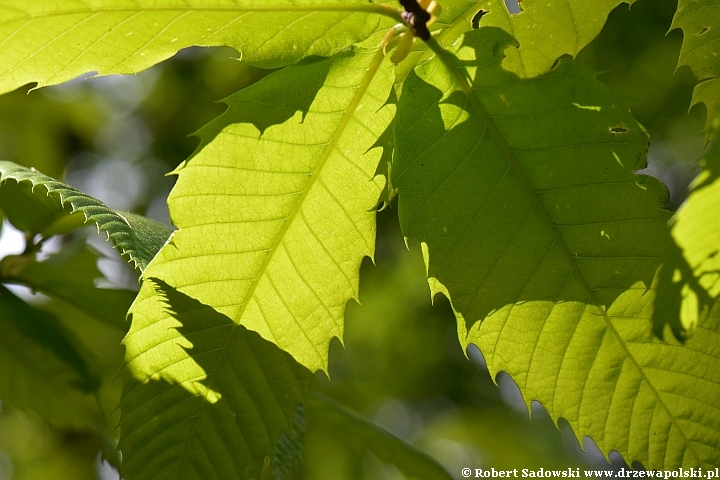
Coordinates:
column 547, row 30
column 53, row 42
column 551, row 263
column 691, row 276
column 219, row 403
column 275, row 216
column 700, row 23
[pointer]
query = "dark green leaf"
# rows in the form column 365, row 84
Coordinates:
column 41, row 367
column 362, row 434
column 287, row 462
column 69, row 275
column 31, row 210
column 135, row 236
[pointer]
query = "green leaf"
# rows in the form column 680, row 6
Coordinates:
column 547, row 30
column 41, row 368
column 31, row 450
column 455, row 19
column 288, row 460
column 698, row 20
column 691, row 281
column 33, row 211
column 362, row 434
column 550, row 258
column 53, row 42
column 135, row 236
column 275, row 216
column 69, row 275
column 200, row 409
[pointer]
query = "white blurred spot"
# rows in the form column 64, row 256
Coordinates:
column 513, row 6
column 510, row 392
column 476, row 356
column 454, row 456
column 12, row 241
column 397, row 418
column 116, row 182
column 105, row 470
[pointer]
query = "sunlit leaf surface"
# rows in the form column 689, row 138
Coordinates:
column 219, row 403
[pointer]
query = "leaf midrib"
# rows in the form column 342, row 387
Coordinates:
column 530, row 190
column 349, row 113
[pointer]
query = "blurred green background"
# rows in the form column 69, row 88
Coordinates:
column 402, row 366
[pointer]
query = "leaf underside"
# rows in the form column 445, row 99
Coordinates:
column 551, row 264
column 547, row 30
column 700, row 23
column 135, row 236
column 53, row 42
column 275, row 215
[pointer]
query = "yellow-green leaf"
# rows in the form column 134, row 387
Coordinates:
column 551, row 262
column 53, row 42
column 275, row 216
column 700, row 23
column 690, row 283
column 547, row 30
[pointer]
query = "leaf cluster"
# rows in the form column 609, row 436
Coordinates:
column 509, row 161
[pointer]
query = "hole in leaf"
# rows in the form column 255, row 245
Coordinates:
column 477, row 17
column 619, row 130
column 704, row 29
column 513, row 6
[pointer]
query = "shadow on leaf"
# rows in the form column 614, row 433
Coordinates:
column 552, row 211
column 225, row 397
column 299, row 87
